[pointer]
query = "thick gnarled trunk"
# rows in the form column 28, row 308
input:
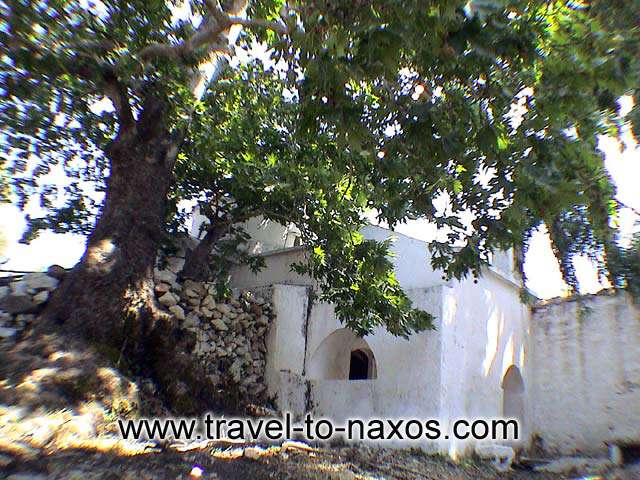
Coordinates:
column 115, row 273
column 108, row 298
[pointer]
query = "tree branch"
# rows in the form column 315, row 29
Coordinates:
column 625, row 205
column 229, row 20
column 86, row 66
column 117, row 93
column 208, row 34
column 260, row 23
column 203, row 76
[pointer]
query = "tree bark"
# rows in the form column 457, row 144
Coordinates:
column 108, row 298
column 196, row 265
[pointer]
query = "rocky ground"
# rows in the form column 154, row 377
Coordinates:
column 233, row 462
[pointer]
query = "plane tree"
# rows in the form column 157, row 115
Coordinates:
column 494, row 107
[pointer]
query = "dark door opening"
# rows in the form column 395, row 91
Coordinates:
column 359, row 366
column 630, row 453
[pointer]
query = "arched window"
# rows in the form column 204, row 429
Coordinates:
column 342, row 356
column 359, row 368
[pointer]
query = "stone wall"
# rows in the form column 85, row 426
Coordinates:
column 21, row 297
column 585, row 373
column 230, row 332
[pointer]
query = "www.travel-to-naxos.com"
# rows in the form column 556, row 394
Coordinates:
column 211, row 427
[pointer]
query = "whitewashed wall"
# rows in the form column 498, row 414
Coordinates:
column 408, row 370
column 485, row 330
column 417, row 390
column 277, row 271
column 586, row 375
column 452, row 372
column 285, row 340
column 411, row 258
column 266, row 235
column 291, row 361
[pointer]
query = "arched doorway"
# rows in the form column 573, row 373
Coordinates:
column 513, row 397
column 342, row 356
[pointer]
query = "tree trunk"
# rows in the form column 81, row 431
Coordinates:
column 196, row 265
column 108, row 298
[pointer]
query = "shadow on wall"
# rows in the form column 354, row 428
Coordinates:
column 342, row 356
column 513, row 396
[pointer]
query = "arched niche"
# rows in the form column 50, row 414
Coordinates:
column 513, row 392
column 342, row 356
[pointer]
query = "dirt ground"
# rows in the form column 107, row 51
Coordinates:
column 232, row 462
column 338, row 464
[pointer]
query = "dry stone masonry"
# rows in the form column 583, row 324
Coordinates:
column 229, row 332
column 22, row 297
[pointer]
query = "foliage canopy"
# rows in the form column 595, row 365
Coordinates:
column 372, row 106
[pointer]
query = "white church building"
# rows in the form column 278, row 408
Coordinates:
column 568, row 369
